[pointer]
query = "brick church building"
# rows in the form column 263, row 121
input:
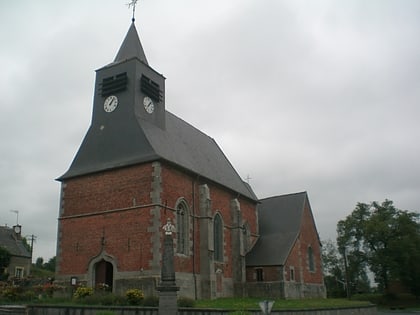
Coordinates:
column 138, row 166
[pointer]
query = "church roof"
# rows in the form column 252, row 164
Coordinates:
column 279, row 224
column 12, row 243
column 131, row 47
column 179, row 143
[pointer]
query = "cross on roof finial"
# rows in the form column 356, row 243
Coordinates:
column 133, row 4
column 247, row 178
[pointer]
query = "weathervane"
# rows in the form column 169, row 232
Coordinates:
column 133, row 4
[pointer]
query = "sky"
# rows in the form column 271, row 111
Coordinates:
column 318, row 96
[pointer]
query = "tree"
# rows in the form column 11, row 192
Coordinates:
column 333, row 267
column 386, row 240
column 5, row 257
column 39, row 262
column 50, row 265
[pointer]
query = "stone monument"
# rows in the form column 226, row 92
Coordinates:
column 167, row 287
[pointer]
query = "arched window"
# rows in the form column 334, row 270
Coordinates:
column 182, row 230
column 218, row 237
column 311, row 262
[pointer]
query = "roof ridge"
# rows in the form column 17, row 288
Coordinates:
column 284, row 195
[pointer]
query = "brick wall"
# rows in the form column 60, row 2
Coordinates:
column 119, row 214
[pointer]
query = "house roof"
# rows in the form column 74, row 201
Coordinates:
column 279, row 224
column 12, row 243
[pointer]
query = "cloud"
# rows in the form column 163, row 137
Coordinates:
column 321, row 97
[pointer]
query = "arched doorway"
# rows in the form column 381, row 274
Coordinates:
column 104, row 274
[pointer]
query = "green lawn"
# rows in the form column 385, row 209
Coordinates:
column 252, row 303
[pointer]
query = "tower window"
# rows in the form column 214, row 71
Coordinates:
column 218, row 238
column 150, row 88
column 114, row 84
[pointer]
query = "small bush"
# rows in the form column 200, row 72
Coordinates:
column 82, row 292
column 105, row 313
column 10, row 294
column 151, row 301
column 134, row 296
column 185, row 302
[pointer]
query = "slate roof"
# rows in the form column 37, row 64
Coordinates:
column 279, row 225
column 9, row 241
column 137, row 141
column 193, row 150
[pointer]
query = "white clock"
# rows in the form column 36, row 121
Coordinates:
column 148, row 105
column 111, row 103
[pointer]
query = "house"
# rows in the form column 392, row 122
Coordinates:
column 20, row 261
column 138, row 166
column 286, row 260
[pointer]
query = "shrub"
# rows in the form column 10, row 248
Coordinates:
column 105, row 313
column 82, row 292
column 185, row 302
column 151, row 301
column 134, row 296
column 10, row 294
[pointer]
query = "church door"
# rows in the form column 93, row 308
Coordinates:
column 104, row 274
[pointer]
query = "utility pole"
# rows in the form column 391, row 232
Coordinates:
column 32, row 238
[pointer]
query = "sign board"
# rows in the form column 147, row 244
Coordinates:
column 266, row 306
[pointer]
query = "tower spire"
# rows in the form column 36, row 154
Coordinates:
column 131, row 47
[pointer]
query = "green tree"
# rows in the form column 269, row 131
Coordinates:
column 39, row 262
column 350, row 243
column 333, row 267
column 383, row 238
column 5, row 257
column 50, row 265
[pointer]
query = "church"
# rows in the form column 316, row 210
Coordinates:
column 140, row 165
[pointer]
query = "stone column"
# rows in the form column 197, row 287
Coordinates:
column 167, row 287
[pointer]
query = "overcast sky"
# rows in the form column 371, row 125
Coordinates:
column 317, row 96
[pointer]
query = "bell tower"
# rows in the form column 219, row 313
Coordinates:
column 129, row 86
column 128, row 94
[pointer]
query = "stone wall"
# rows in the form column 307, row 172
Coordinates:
column 284, row 290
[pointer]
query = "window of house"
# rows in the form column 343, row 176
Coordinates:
column 19, row 272
column 292, row 273
column 182, row 235
column 311, row 262
column 259, row 275
column 218, row 238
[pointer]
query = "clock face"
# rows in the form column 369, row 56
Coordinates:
column 111, row 103
column 17, row 229
column 148, row 105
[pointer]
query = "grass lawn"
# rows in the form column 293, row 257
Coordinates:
column 252, row 303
